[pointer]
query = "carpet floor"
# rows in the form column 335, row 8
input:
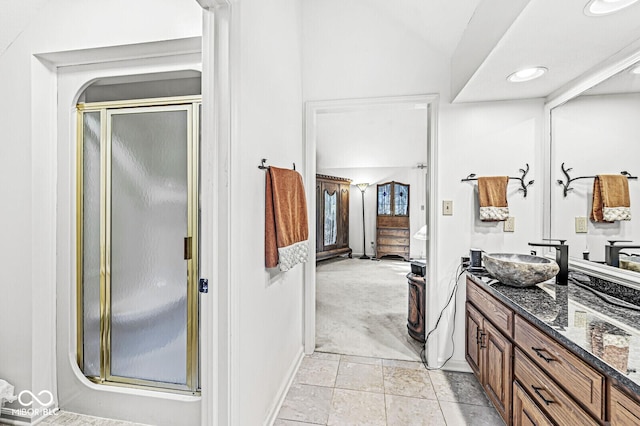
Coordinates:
column 361, row 309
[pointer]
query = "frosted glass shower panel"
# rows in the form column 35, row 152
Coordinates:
column 149, row 211
column 91, row 243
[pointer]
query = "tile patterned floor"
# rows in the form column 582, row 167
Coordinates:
column 332, row 389
column 72, row 419
column 343, row 390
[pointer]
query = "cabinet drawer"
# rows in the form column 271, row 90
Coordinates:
column 398, row 250
column 581, row 380
column 392, row 232
column 547, row 395
column 498, row 314
column 624, row 410
column 525, row 411
column 396, row 241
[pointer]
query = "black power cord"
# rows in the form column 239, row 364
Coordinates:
column 452, row 296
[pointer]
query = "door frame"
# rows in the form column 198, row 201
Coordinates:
column 309, row 145
column 189, row 105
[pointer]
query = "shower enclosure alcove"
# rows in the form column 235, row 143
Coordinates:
column 137, row 234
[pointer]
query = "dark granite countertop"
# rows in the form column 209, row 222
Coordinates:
column 597, row 328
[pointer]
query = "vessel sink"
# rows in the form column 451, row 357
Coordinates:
column 631, row 263
column 519, row 270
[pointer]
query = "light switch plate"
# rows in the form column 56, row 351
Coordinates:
column 581, row 225
column 447, row 208
column 510, row 224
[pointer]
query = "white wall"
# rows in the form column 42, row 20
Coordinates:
column 266, row 304
column 27, row 357
column 594, row 135
column 357, row 53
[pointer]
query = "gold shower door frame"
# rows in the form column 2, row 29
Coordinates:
column 190, row 104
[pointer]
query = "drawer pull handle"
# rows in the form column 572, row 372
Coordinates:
column 538, row 352
column 481, row 340
column 545, row 400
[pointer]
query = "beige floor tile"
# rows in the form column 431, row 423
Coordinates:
column 405, row 411
column 350, row 407
column 472, row 415
column 325, row 355
column 463, row 388
column 305, row 403
column 408, row 382
column 282, row 422
column 318, row 372
column 414, row 365
column 360, row 360
column 361, row 377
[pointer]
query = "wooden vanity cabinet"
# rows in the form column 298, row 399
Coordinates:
column 525, row 411
column 623, row 409
column 489, row 354
column 530, row 377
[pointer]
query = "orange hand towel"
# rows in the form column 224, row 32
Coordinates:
column 611, row 200
column 492, row 194
column 286, row 223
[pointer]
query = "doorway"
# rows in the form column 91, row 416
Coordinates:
column 137, row 230
column 360, row 166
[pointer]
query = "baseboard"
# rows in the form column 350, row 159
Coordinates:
column 457, row 365
column 282, row 392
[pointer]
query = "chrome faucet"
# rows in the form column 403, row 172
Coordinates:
column 612, row 251
column 562, row 258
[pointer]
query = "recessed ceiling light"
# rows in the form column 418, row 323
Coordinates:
column 635, row 69
column 526, row 74
column 606, row 7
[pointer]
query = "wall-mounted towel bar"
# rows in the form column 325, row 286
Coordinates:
column 264, row 167
column 523, row 185
column 566, row 188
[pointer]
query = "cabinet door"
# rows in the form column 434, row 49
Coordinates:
column 624, row 410
column 497, row 369
column 330, row 217
column 343, row 216
column 319, row 217
column 525, row 411
column 472, row 345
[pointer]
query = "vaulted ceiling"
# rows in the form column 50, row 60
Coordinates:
column 14, row 18
column 486, row 39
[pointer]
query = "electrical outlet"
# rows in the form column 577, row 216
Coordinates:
column 447, row 208
column 509, row 224
column 581, row 225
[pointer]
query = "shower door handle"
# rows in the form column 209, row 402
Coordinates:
column 187, row 248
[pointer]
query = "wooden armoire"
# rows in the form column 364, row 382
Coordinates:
column 392, row 221
column 332, row 216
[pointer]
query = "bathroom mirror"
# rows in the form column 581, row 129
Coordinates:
column 595, row 132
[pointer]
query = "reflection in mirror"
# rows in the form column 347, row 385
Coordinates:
column 330, row 219
column 597, row 133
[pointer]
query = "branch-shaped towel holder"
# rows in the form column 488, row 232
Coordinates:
column 523, row 185
column 263, row 167
column 566, row 185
